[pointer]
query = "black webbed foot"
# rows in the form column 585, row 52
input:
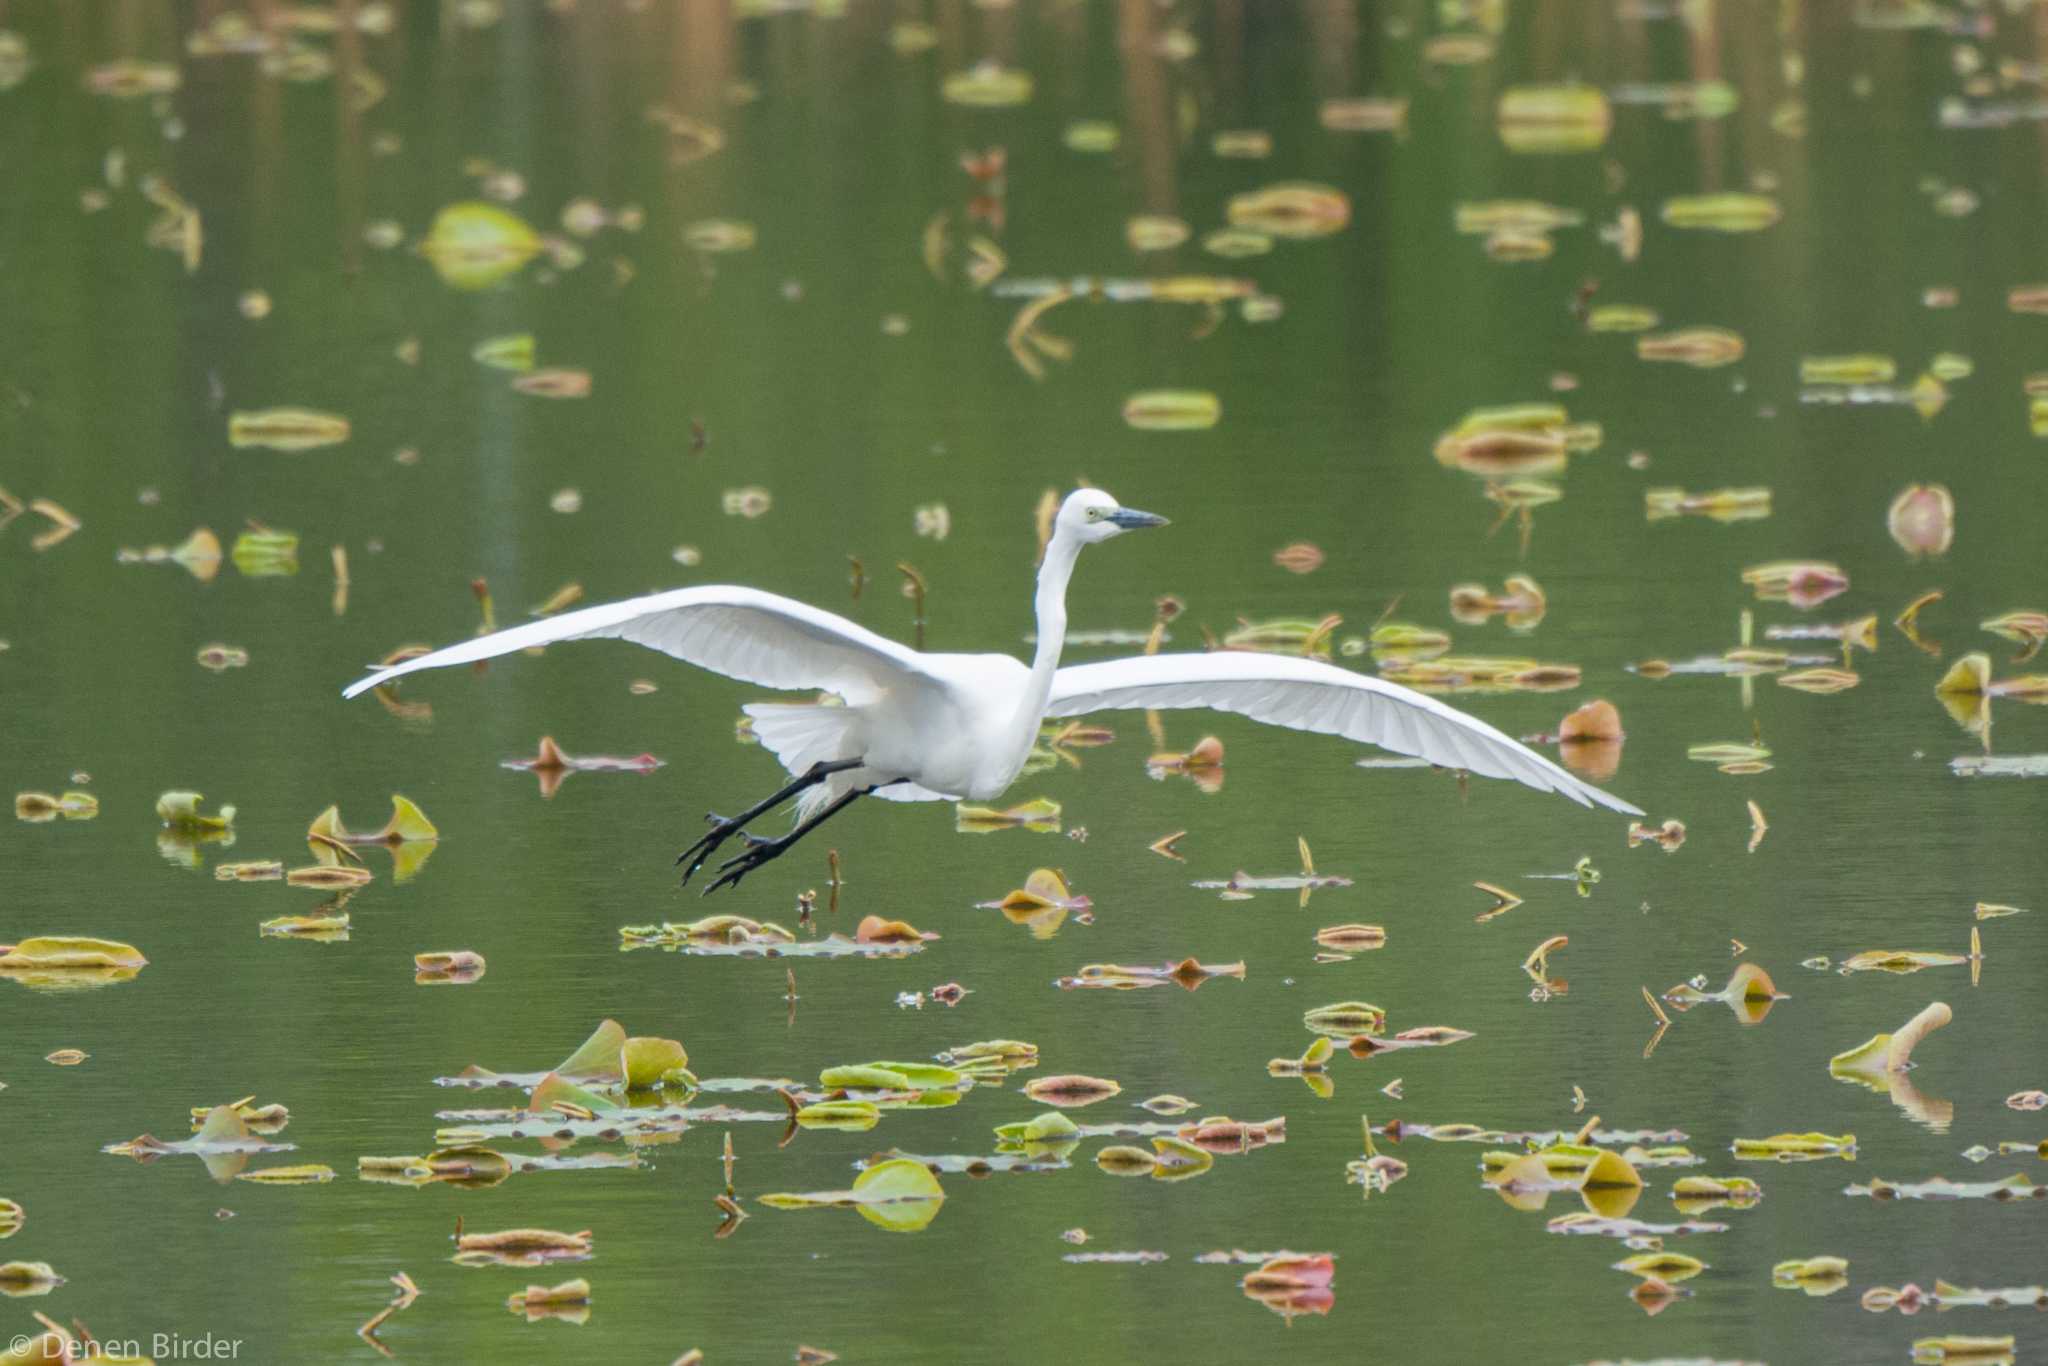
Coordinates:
column 721, row 831
column 758, row 852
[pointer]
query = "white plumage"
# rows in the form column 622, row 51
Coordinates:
column 928, row 727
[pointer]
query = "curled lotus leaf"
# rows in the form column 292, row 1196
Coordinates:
column 1892, row 1053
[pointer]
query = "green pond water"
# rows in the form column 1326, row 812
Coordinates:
column 118, row 370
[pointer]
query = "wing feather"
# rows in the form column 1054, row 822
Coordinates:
column 1306, row 694
column 743, row 633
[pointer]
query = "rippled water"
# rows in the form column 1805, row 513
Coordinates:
column 118, row 371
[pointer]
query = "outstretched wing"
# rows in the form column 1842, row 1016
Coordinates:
column 1305, row 694
column 743, row 633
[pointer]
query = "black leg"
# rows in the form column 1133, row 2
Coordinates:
column 760, row 851
column 723, row 829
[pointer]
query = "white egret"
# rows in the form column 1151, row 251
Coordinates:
column 935, row 727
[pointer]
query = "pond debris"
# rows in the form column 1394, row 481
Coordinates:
column 1583, row 876
column 38, row 808
column 1553, row 119
column 899, row 1195
column 1172, row 410
column 1908, row 621
column 1071, row 1090
column 1202, row 765
column 2026, row 628
column 452, row 967
column 473, row 245
column 1513, row 440
column 263, row 553
column 1605, row 1181
column 1816, row 1276
column 2011, row 1188
column 179, row 811
column 1300, row 557
column 69, row 962
column 1521, row 603
column 1903, row 961
column 1044, row 892
column 1503, row 901
column 408, row 824
column 1730, row 212
column 1291, row 1284
column 1241, row 885
column 320, row 926
column 290, row 430
column 554, row 382
column 198, row 554
column 1423, row 1036
column 1910, row 1298
column 301, row 1174
column 1891, row 1053
column 521, row 1247
column 1342, row 943
column 1806, row 1147
column 1702, row 348
column 1700, row 1194
column 224, row 1143
column 1749, row 993
column 1168, row 846
column 1187, row 973
column 551, row 764
column 569, row 1301
column 1922, row 520
column 1959, row 1347
column 1725, row 505
column 19, row 1280
column 1040, row 815
column 1670, row 836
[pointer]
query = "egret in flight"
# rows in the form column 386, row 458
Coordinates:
column 917, row 727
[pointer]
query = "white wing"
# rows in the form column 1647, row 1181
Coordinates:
column 1305, row 694
column 742, row 633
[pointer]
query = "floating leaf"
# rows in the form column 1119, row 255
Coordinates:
column 1892, row 1052
column 1071, row 1090
column 473, row 245
column 522, row 1247
column 180, row 811
column 286, row 429
column 899, row 1195
column 1703, row 348
column 988, row 85
column 305, row 1174
column 1295, row 210
column 1806, row 1147
column 316, row 926
column 1815, row 1275
column 1172, row 410
column 21, row 1279
column 1041, row 814
column 1548, row 119
column 1728, row 212
column 514, row 352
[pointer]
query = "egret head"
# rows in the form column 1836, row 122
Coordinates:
column 1092, row 515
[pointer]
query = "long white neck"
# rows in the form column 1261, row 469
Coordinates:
column 1051, row 607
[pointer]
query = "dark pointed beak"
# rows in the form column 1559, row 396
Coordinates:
column 1130, row 519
